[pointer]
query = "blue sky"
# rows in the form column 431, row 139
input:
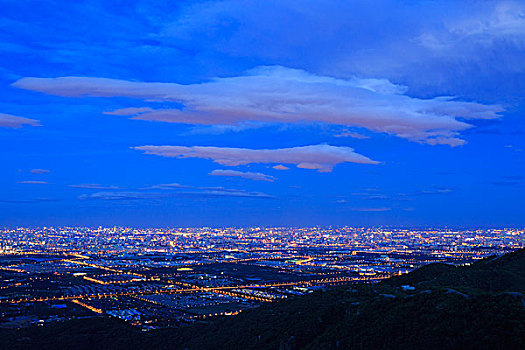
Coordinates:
column 192, row 113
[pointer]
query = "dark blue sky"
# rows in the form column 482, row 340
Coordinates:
column 158, row 113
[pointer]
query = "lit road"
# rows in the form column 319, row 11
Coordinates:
column 191, row 290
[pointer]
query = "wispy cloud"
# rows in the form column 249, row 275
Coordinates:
column 281, row 94
column 426, row 192
column 130, row 111
column 370, row 195
column 510, row 180
column 432, row 191
column 340, row 201
column 187, row 190
column 94, row 187
column 39, row 171
column 23, row 201
column 121, row 196
column 352, row 134
column 197, row 193
column 245, row 175
column 503, row 20
column 169, row 186
column 12, row 121
column 371, row 209
column 319, row 157
column 374, row 194
column 221, row 129
column 166, row 191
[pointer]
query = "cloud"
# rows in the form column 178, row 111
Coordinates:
column 129, row 111
column 169, row 186
column 167, row 191
column 371, row 209
column 428, row 192
column 433, row 191
column 352, row 134
column 11, row 121
column 371, row 195
column 340, row 201
column 33, row 182
column 374, row 195
column 222, row 129
column 319, row 157
column 39, row 171
column 94, row 187
column 507, row 183
column 245, row 175
column 23, row 201
column 498, row 21
column 210, row 193
column 205, row 191
column 510, row 180
column 120, row 196
column 280, row 167
column 285, row 95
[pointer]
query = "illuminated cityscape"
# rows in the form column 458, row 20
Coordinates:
column 153, row 278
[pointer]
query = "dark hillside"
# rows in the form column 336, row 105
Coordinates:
column 493, row 274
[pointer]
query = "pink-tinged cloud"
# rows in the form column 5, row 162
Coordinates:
column 280, row 167
column 285, row 95
column 319, row 157
column 12, row 121
column 33, row 182
column 245, row 175
column 169, row 186
column 39, row 171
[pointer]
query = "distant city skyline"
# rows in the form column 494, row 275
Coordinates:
column 233, row 113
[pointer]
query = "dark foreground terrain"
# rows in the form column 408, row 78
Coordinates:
column 438, row 306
